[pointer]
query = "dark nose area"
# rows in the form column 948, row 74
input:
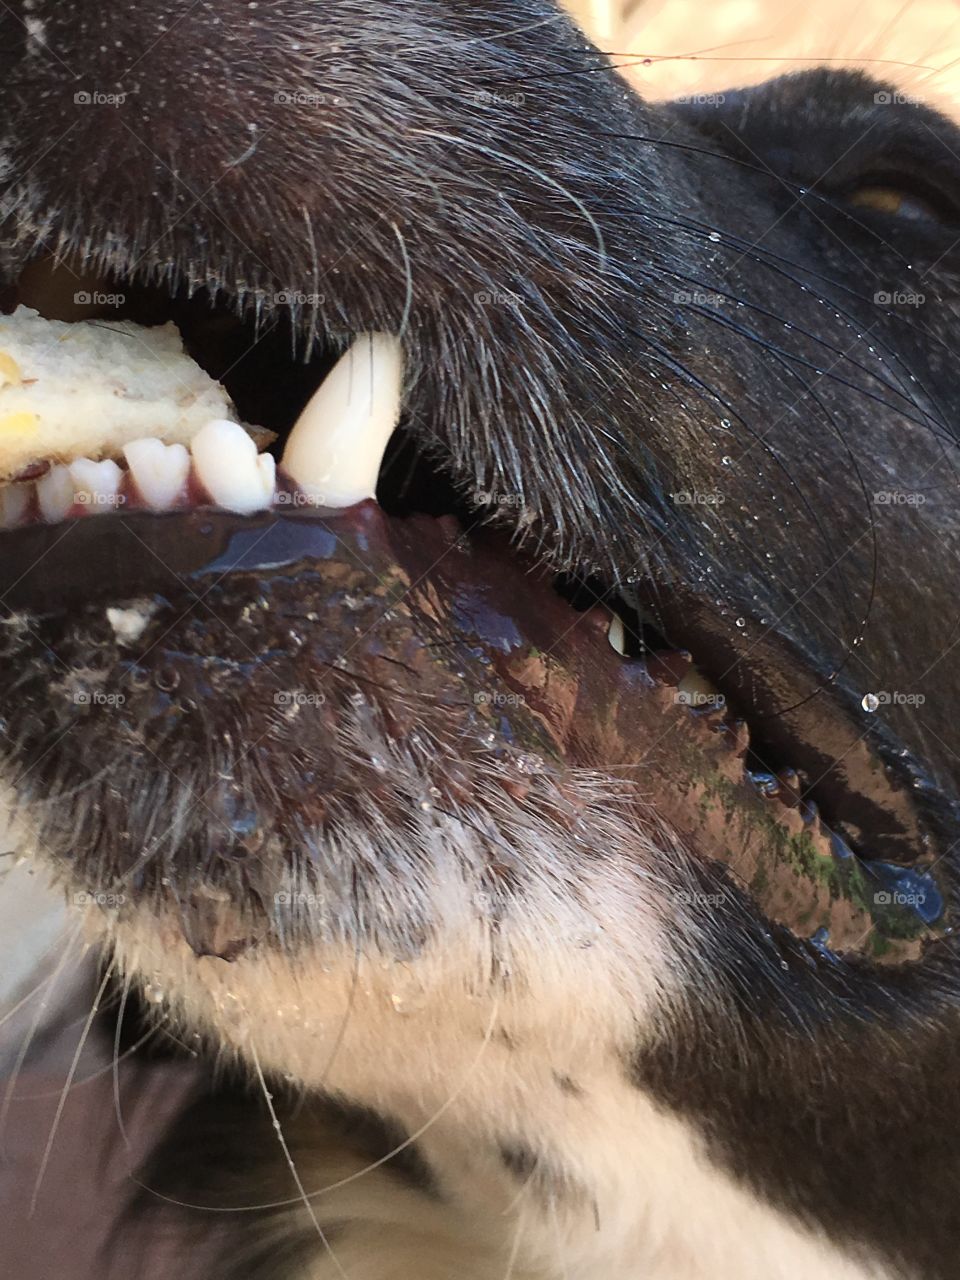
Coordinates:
column 123, row 103
column 165, row 136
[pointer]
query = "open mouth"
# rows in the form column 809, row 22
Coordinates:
column 166, row 573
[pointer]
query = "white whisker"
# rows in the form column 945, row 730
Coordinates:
column 41, row 1009
column 94, row 1010
column 294, row 1172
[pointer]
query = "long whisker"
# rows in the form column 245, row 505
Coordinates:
column 67, row 958
column 291, row 1165
column 94, row 1075
column 81, row 1044
column 115, row 1061
column 360, row 1173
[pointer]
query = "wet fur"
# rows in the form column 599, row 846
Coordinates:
column 621, row 1088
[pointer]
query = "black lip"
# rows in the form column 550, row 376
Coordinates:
column 891, row 809
column 57, row 568
column 463, row 604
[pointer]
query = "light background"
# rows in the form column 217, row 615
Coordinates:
column 705, row 45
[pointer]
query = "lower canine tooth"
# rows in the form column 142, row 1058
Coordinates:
column 230, row 469
column 159, row 470
column 617, row 635
column 96, row 484
column 55, row 493
column 335, row 449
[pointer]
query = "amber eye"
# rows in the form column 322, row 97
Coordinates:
column 896, row 202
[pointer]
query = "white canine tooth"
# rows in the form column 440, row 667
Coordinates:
column 96, row 484
column 159, row 470
column 335, row 450
column 230, row 469
column 55, row 493
column 617, row 635
column 14, row 501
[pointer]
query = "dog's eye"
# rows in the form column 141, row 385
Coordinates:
column 899, row 203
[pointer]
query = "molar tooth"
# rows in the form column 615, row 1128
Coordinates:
column 160, row 471
column 96, row 484
column 55, row 493
column 230, row 469
column 335, row 450
column 14, row 502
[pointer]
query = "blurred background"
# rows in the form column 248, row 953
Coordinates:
column 707, row 45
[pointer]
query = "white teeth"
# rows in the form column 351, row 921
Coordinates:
column 14, row 501
column 55, row 493
column 96, row 484
column 617, row 635
column 159, row 470
column 230, row 469
column 335, row 450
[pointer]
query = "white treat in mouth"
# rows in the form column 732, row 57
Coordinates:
column 98, row 416
column 85, row 390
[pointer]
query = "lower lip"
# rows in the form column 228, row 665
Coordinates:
column 57, row 568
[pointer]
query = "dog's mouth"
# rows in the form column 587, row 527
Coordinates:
column 309, row 654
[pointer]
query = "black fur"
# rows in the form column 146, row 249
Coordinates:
column 691, row 308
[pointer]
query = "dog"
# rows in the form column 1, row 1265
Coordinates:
column 518, row 953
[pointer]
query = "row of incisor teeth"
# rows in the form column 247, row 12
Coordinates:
column 333, row 454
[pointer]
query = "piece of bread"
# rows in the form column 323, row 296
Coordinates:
column 84, row 390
